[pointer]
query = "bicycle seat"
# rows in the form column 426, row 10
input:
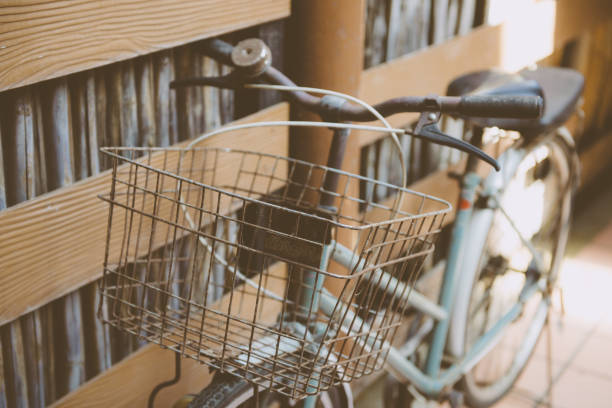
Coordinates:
column 560, row 88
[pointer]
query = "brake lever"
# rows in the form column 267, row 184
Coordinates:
column 427, row 129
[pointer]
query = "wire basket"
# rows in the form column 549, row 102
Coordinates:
column 207, row 250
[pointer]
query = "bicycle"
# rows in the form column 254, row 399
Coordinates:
column 252, row 303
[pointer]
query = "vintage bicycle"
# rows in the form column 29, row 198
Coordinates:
column 226, row 255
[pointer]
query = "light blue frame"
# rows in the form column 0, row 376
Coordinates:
column 432, row 381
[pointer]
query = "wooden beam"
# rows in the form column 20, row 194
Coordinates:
column 527, row 37
column 328, row 54
column 595, row 158
column 128, row 383
column 55, row 243
column 47, row 39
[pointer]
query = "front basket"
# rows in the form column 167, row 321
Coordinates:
column 207, row 252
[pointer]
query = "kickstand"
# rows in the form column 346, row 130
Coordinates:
column 160, row 386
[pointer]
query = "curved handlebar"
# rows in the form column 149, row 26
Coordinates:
column 502, row 106
column 251, row 60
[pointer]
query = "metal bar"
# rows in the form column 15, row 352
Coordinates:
column 451, row 273
column 393, row 286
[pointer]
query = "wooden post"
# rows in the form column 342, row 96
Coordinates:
column 327, row 40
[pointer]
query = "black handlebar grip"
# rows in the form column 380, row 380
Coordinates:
column 501, row 106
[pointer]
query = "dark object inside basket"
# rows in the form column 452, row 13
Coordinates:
column 269, row 232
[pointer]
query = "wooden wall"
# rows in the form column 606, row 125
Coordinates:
column 54, row 116
column 51, row 132
column 429, row 23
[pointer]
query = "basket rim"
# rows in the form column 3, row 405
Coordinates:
column 402, row 215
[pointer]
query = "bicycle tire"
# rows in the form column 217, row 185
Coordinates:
column 228, row 391
column 478, row 392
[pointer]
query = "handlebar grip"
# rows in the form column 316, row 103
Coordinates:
column 501, row 106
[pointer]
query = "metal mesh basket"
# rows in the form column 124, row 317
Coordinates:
column 206, row 252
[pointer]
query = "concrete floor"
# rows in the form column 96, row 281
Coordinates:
column 581, row 330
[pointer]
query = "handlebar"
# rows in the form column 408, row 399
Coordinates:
column 500, row 106
column 251, row 59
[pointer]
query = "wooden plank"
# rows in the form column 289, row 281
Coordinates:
column 440, row 21
column 128, row 383
column 56, row 241
column 408, row 28
column 595, row 158
column 437, row 184
column 543, row 25
column 342, row 71
column 466, row 16
column 48, row 39
column 14, row 365
column 376, row 29
column 22, row 373
column 3, row 403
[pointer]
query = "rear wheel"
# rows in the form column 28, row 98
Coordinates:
column 538, row 201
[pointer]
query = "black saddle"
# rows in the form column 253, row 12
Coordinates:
column 559, row 87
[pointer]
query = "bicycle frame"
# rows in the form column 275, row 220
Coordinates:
column 432, row 381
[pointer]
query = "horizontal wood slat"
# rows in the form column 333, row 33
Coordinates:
column 525, row 38
column 128, row 383
column 47, row 39
column 55, row 243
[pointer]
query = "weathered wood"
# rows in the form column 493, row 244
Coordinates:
column 48, row 352
column 31, row 325
column 92, row 124
column 133, row 379
column 466, row 16
column 16, row 120
column 102, row 133
column 52, row 39
column 184, row 69
column 18, row 134
column 146, row 105
column 604, row 121
column 382, row 167
column 97, row 344
column 78, row 105
column 394, row 28
column 20, row 137
column 226, row 99
column 408, row 27
column 39, row 145
column 598, row 83
column 69, row 343
column 430, row 70
column 163, row 69
column 595, row 158
column 212, row 115
column 128, row 106
column 68, row 336
column 2, row 176
column 3, row 402
column 57, row 237
column 15, row 379
column 440, row 21
column 452, row 19
column 376, row 27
